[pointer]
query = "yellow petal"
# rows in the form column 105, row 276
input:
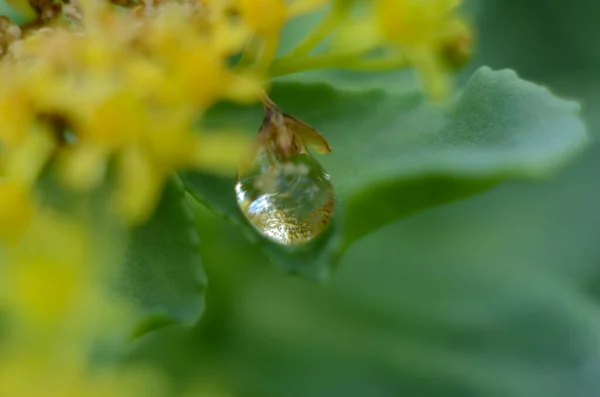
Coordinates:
column 15, row 115
column 414, row 22
column 357, row 35
column 222, row 152
column 27, row 160
column 115, row 122
column 43, row 290
column 82, row 167
column 265, row 17
column 138, row 188
column 16, row 209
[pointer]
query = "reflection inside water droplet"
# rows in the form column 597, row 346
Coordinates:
column 289, row 201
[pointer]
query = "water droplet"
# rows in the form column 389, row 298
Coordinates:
column 282, row 189
column 289, row 202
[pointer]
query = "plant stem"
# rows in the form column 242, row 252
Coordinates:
column 268, row 52
column 289, row 65
column 249, row 54
column 322, row 30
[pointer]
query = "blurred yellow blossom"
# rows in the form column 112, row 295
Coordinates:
column 427, row 35
column 126, row 85
column 415, row 23
column 265, row 17
column 16, row 209
column 36, row 375
column 56, row 305
column 423, row 29
column 51, row 299
column 53, row 273
column 22, row 162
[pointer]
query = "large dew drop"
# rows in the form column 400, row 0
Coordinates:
column 289, row 201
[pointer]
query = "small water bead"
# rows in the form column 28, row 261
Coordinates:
column 285, row 193
column 289, row 202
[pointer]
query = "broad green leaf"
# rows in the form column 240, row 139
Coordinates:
column 395, row 154
column 163, row 273
column 452, row 302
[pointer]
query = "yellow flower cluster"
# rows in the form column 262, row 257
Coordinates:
column 120, row 88
column 105, row 86
column 54, row 307
column 427, row 35
column 107, row 96
column 123, row 88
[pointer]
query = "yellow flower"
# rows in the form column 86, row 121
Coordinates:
column 415, row 23
column 265, row 17
column 422, row 29
column 48, row 270
column 28, row 373
column 55, row 304
column 126, row 85
column 21, row 167
column 16, row 209
column 428, row 35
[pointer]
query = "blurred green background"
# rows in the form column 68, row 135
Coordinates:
column 496, row 295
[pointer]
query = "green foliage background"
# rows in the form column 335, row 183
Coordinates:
column 426, row 296
column 495, row 295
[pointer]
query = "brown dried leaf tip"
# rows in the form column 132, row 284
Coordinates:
column 285, row 135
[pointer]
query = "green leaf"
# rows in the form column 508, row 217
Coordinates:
column 395, row 154
column 559, row 37
column 163, row 273
column 463, row 300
